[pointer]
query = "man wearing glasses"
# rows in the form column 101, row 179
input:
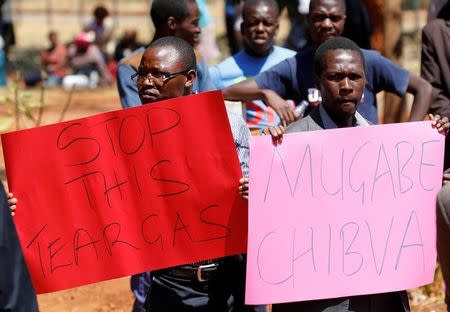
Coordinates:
column 171, row 18
column 167, row 70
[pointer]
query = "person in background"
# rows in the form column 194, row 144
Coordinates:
column 16, row 289
column 54, row 61
column 7, row 31
column 358, row 26
column 298, row 10
column 259, row 28
column 207, row 46
column 103, row 27
column 293, row 77
column 127, row 44
column 85, row 58
column 233, row 19
column 177, row 18
column 435, row 67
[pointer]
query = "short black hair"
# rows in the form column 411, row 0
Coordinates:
column 182, row 48
column 163, row 9
column 338, row 43
column 269, row 3
column 313, row 4
column 100, row 11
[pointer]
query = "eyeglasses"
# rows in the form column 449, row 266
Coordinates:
column 158, row 77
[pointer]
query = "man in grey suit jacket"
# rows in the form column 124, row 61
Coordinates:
column 340, row 77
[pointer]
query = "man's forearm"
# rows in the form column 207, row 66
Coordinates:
column 247, row 90
column 422, row 91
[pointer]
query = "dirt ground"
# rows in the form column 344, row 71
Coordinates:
column 115, row 295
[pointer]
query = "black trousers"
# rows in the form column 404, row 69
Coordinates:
column 223, row 293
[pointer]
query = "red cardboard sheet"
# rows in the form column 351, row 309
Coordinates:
column 126, row 191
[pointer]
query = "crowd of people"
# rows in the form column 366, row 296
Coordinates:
column 89, row 60
column 320, row 75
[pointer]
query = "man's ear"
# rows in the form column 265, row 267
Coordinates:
column 191, row 76
column 171, row 24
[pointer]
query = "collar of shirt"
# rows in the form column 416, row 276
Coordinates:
column 328, row 123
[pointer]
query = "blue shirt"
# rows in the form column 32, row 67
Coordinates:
column 128, row 91
column 242, row 66
column 293, row 78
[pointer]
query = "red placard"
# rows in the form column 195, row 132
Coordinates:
column 126, row 191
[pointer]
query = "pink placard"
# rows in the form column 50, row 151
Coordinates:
column 343, row 212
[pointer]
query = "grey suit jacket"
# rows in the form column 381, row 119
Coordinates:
column 395, row 301
column 312, row 122
column 435, row 68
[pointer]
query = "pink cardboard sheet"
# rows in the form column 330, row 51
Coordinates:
column 343, row 212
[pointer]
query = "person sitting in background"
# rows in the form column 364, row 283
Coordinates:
column 259, row 28
column 85, row 58
column 127, row 45
column 54, row 61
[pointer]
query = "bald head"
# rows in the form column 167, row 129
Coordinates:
column 167, row 70
column 181, row 50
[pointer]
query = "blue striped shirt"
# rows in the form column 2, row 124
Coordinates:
column 241, row 136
